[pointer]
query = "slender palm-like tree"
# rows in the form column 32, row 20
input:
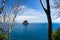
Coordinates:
column 47, row 11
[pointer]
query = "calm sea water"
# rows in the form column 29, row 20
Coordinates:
column 32, row 31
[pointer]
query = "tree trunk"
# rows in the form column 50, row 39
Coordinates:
column 47, row 11
column 9, row 31
column 8, row 36
column 49, row 27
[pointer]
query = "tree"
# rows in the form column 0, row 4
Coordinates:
column 9, row 17
column 1, row 9
column 56, row 6
column 12, row 20
column 47, row 11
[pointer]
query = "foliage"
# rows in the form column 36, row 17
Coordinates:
column 3, row 36
column 56, row 35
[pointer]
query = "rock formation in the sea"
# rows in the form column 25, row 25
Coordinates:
column 25, row 22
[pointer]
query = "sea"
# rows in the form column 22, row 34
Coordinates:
column 32, row 31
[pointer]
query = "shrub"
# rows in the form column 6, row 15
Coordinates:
column 3, row 36
column 56, row 35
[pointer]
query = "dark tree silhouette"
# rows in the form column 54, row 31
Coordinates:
column 47, row 11
column 1, row 9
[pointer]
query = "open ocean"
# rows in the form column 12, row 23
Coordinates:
column 32, row 31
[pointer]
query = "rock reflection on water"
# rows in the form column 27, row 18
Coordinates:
column 25, row 29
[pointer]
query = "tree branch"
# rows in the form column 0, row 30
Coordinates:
column 43, row 6
column 15, row 13
column 3, row 3
column 2, row 6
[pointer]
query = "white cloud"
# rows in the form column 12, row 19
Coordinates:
column 31, row 19
column 35, row 16
column 32, row 15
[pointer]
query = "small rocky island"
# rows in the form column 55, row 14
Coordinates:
column 25, row 22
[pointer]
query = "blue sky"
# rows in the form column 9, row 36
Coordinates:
column 32, row 11
column 34, row 4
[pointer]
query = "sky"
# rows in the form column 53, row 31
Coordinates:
column 32, row 11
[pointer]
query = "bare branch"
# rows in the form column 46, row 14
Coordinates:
column 56, row 6
column 3, row 4
column 42, row 5
column 15, row 13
